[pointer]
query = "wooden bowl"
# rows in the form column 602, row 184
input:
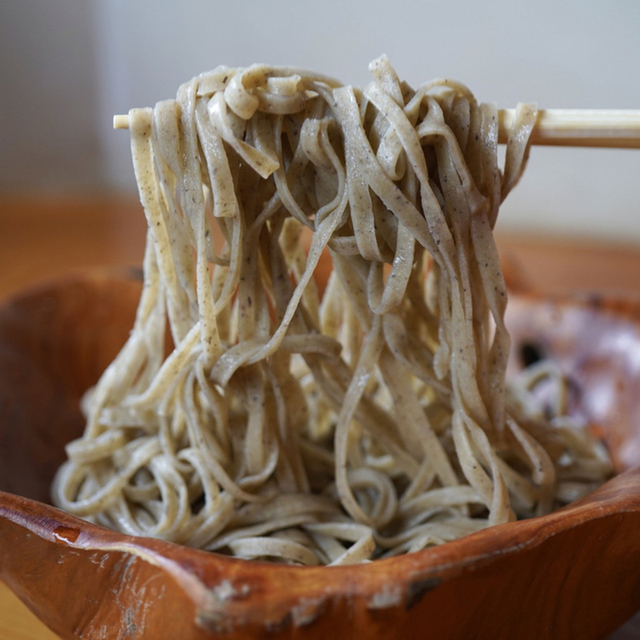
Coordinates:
column 572, row 574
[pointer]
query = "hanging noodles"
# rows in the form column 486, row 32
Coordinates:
column 320, row 429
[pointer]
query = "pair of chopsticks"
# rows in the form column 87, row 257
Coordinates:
column 611, row 128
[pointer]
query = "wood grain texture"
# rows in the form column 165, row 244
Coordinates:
column 43, row 238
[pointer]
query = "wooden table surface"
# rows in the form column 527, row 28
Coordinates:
column 45, row 237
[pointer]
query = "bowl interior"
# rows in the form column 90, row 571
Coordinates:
column 55, row 341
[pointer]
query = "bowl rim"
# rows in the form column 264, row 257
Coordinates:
column 390, row 582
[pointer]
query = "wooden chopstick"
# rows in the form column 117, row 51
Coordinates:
column 121, row 121
column 613, row 128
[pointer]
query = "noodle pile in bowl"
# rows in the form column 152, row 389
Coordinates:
column 282, row 423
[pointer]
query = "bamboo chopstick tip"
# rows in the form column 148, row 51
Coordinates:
column 121, row 121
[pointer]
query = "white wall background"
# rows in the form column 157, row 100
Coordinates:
column 67, row 65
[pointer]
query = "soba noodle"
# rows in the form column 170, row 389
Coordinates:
column 320, row 428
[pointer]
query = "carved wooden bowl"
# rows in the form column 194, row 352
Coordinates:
column 572, row 574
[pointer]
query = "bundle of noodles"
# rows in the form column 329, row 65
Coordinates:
column 285, row 424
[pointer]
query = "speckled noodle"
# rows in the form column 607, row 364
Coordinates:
column 283, row 423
